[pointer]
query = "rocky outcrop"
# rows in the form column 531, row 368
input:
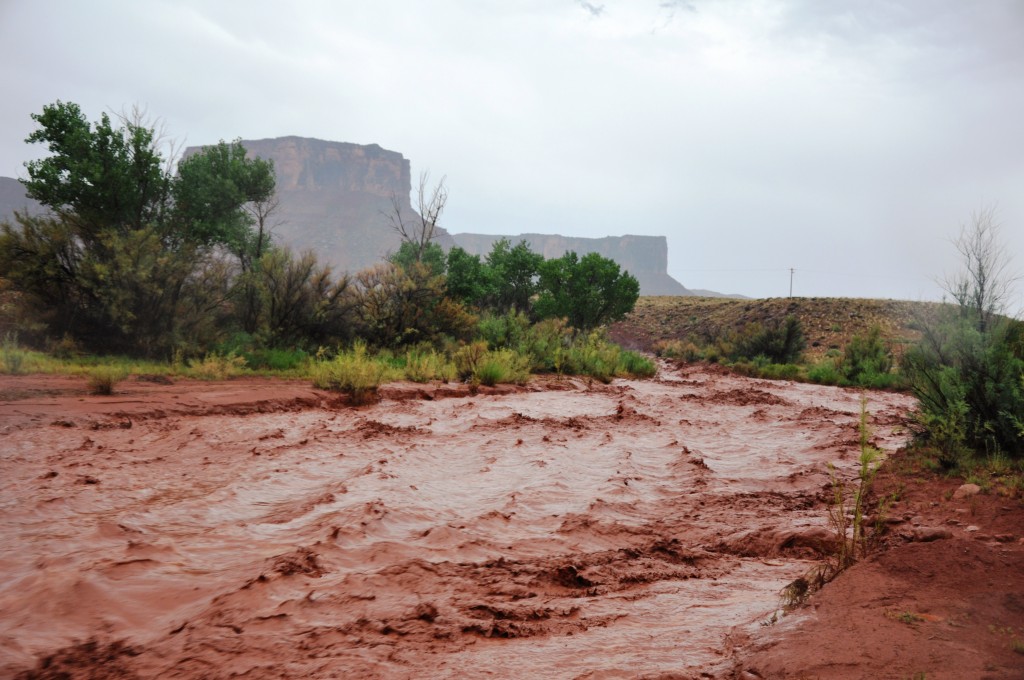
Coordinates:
column 645, row 257
column 12, row 197
column 335, row 198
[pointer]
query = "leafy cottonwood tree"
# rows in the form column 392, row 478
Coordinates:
column 514, row 271
column 116, row 261
column 590, row 291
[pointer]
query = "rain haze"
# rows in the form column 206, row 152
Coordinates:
column 847, row 141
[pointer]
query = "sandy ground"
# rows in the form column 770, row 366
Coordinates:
column 265, row 529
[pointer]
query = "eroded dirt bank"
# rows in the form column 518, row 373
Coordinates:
column 263, row 529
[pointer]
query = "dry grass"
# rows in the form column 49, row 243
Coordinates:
column 828, row 323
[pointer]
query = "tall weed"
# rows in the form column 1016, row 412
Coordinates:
column 353, row 372
column 12, row 357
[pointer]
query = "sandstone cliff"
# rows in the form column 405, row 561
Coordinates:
column 645, row 257
column 12, row 197
column 335, row 198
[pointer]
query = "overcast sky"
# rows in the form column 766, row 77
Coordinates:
column 847, row 140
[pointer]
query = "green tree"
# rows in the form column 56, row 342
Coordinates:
column 514, row 271
column 211, row 192
column 409, row 253
column 469, row 280
column 590, row 291
column 100, row 178
column 129, row 255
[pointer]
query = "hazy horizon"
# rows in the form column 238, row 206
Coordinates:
column 847, row 141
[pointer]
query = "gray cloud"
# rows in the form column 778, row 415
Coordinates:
column 847, row 140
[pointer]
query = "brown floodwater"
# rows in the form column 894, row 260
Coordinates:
column 265, row 529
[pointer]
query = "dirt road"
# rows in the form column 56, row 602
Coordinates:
column 263, row 529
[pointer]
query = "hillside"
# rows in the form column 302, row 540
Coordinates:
column 828, row 323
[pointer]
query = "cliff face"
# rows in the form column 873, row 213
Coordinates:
column 645, row 257
column 335, row 198
column 12, row 197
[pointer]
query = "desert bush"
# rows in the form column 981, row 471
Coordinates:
column 967, row 370
column 825, row 372
column 214, row 366
column 509, row 330
column 467, row 359
column 275, row 359
column 778, row 371
column 424, row 365
column 353, row 372
column 865, row 358
column 102, row 379
column 969, row 385
column 687, row 350
column 636, row 364
column 12, row 357
column 592, row 355
column 780, row 343
column 547, row 343
column 502, row 366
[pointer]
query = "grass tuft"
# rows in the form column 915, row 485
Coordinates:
column 102, row 379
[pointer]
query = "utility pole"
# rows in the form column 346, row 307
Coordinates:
column 791, row 270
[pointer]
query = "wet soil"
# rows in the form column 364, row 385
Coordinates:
column 265, row 529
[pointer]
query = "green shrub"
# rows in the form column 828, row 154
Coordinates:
column 425, row 365
column 502, row 366
column 594, row 356
column 353, row 372
column 686, row 351
column 275, row 359
column 636, row 364
column 12, row 356
column 102, row 379
column 779, row 371
column 825, row 372
column 547, row 344
column 215, row 366
column 509, row 330
column 970, row 388
column 467, row 359
column 865, row 358
column 780, row 343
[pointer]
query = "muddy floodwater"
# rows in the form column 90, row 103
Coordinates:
column 266, row 529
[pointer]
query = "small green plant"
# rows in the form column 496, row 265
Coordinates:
column 1017, row 645
column 12, row 356
column 215, row 366
column 909, row 618
column 637, row 365
column 353, row 372
column 502, row 366
column 825, row 373
column 845, row 518
column 424, row 366
column 103, row 379
column 846, row 512
column 467, row 359
column 592, row 355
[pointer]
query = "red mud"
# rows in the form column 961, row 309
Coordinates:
column 644, row 529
